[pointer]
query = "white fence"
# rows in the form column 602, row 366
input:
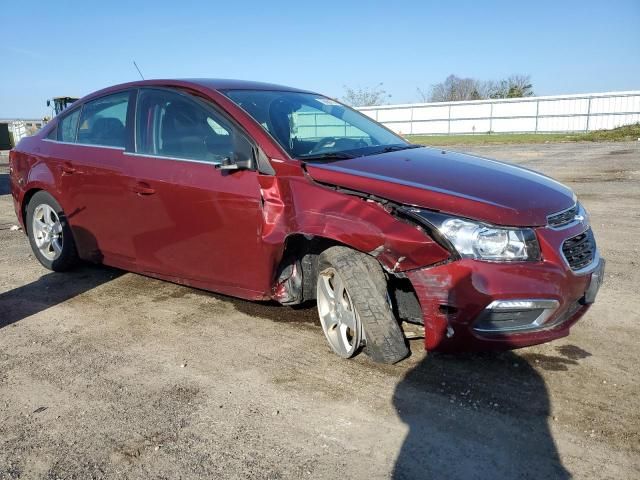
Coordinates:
column 560, row 113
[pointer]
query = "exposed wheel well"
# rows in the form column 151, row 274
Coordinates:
column 25, row 202
column 300, row 258
column 296, row 274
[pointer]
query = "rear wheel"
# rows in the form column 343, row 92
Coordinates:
column 354, row 309
column 49, row 233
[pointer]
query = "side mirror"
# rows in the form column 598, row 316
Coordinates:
column 243, row 156
column 48, row 103
column 244, row 153
column 227, row 164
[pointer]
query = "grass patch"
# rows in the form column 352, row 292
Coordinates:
column 620, row 134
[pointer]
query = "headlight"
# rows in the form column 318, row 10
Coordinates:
column 477, row 240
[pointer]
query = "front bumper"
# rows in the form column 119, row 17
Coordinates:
column 474, row 305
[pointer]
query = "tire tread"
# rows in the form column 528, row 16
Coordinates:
column 367, row 286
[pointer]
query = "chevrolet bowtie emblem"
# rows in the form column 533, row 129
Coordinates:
column 578, row 218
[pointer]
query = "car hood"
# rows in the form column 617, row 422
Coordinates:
column 455, row 183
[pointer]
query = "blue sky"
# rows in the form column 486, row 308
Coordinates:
column 62, row 47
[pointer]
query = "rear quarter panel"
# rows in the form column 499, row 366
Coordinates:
column 32, row 169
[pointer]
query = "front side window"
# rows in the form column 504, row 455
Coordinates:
column 68, row 127
column 171, row 124
column 307, row 125
column 103, row 121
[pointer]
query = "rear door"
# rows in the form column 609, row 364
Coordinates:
column 89, row 150
column 194, row 222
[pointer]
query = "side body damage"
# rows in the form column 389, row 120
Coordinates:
column 302, row 217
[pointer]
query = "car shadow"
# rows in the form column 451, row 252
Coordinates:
column 49, row 290
column 482, row 415
column 4, row 184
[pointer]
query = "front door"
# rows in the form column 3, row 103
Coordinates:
column 194, row 223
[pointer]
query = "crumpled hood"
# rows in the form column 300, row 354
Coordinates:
column 454, row 183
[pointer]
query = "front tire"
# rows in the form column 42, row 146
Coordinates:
column 49, row 233
column 354, row 309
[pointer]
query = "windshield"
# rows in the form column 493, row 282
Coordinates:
column 310, row 126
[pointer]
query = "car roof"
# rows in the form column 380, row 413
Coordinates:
column 230, row 84
column 208, row 83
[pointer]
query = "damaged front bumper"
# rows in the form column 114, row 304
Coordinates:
column 473, row 305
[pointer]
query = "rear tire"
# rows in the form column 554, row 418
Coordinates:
column 49, row 233
column 376, row 329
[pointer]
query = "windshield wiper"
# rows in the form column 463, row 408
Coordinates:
column 395, row 148
column 327, row 156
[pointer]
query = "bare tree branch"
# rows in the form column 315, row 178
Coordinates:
column 365, row 96
column 455, row 89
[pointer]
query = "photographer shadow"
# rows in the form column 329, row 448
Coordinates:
column 475, row 416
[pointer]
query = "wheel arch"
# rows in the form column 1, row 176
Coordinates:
column 28, row 195
column 303, row 251
column 297, row 268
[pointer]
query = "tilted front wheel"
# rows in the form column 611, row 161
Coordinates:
column 338, row 317
column 354, row 309
column 49, row 234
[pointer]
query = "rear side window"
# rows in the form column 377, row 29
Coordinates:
column 103, row 121
column 171, row 124
column 68, row 126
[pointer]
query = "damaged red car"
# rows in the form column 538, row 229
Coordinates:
column 272, row 193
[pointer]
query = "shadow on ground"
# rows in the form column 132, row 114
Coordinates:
column 491, row 421
column 49, row 290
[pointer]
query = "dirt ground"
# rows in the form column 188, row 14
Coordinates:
column 106, row 374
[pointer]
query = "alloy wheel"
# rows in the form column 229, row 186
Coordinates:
column 47, row 231
column 339, row 319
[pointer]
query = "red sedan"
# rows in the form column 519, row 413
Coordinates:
column 268, row 192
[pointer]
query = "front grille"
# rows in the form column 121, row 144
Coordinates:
column 579, row 250
column 563, row 218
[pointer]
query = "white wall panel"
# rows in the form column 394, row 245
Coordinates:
column 482, row 110
column 394, row 115
column 616, row 105
column 470, row 126
column 403, row 128
column 514, row 109
column 513, row 125
column 570, row 106
column 561, row 113
column 439, row 127
column 606, row 122
column 431, row 113
column 562, row 124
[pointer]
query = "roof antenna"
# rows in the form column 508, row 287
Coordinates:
column 136, row 65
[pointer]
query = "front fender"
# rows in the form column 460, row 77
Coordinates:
column 362, row 224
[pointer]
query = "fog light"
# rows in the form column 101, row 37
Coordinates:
column 515, row 315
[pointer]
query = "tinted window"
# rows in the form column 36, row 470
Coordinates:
column 172, row 124
column 103, row 121
column 68, row 126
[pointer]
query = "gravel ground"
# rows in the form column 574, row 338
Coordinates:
column 107, row 374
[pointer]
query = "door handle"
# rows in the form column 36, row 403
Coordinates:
column 143, row 188
column 68, row 168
